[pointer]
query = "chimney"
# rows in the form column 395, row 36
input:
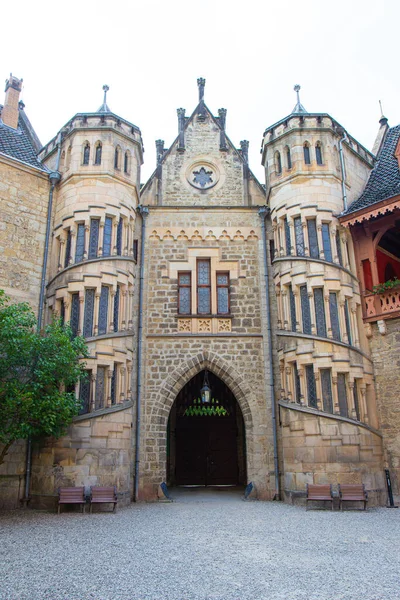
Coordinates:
column 9, row 114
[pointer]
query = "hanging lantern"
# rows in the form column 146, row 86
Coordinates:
column 205, row 390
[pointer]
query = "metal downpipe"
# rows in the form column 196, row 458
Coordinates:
column 263, row 211
column 144, row 211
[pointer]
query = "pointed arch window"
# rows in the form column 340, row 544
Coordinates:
column 318, row 153
column 288, row 158
column 86, row 153
column 307, row 155
column 278, row 163
column 97, row 156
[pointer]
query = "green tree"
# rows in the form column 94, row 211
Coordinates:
column 37, row 371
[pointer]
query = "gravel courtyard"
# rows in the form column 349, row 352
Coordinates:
column 201, row 547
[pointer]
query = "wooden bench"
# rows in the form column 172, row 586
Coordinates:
column 319, row 493
column 103, row 495
column 352, row 493
column 71, row 495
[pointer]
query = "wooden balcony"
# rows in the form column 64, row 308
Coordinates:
column 382, row 306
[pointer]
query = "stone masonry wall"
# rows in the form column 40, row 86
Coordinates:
column 385, row 350
column 322, row 450
column 24, row 196
column 95, row 451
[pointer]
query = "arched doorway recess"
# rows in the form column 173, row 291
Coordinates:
column 206, row 441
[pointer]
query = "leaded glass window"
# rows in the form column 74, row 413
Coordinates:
column 203, row 287
column 103, row 310
column 311, row 387
column 313, row 238
column 347, row 321
column 339, row 247
column 107, row 235
column 342, row 394
column 334, row 314
column 89, row 313
column 116, row 308
column 297, row 386
column 114, row 385
column 326, row 385
column 288, row 158
column 320, row 312
column 326, row 241
column 356, row 403
column 116, row 158
column 305, row 309
column 298, row 232
column 119, row 237
column 84, row 393
column 223, row 293
column 100, row 387
column 62, row 312
column 80, row 243
column 318, row 153
column 307, row 156
column 97, row 158
column 287, row 237
column 292, row 302
column 68, row 248
column 184, row 293
column 75, row 314
column 135, row 249
column 86, row 154
column 94, row 238
column 126, row 162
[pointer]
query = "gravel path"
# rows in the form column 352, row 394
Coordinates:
column 201, row 548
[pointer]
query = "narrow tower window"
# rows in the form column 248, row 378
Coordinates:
column 84, row 393
column 287, row 237
column 326, row 241
column 305, row 309
column 326, row 385
column 89, row 312
column 278, row 163
column 68, row 248
column 119, row 236
column 223, row 293
column 318, row 153
column 86, row 153
column 107, row 236
column 297, row 386
column 306, row 151
column 116, row 309
column 298, row 231
column 320, row 312
column 292, row 303
column 97, row 158
column 334, row 314
column 100, row 387
column 313, row 238
column 75, row 314
column 288, row 158
column 339, row 247
column 116, row 158
column 342, row 394
column 126, row 162
column 80, row 243
column 347, row 321
column 94, row 238
column 114, row 384
column 311, row 387
column 103, row 310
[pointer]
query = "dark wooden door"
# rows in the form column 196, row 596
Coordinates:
column 206, row 452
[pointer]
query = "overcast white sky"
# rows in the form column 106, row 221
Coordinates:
column 344, row 54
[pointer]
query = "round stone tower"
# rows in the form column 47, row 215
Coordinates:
column 93, row 253
column 325, row 370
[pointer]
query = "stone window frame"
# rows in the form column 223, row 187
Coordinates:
column 278, row 163
column 184, row 286
column 216, row 265
column 86, row 153
column 98, row 152
column 319, row 157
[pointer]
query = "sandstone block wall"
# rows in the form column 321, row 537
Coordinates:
column 321, row 450
column 12, row 476
column 385, row 350
column 24, row 197
column 95, row 451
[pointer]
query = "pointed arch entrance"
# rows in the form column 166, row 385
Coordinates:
column 206, row 441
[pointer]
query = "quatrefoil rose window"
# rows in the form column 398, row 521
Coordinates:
column 202, row 175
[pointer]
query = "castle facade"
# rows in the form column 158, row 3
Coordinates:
column 235, row 329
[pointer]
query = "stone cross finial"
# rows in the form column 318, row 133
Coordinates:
column 201, row 83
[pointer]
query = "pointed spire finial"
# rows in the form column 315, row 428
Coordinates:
column 201, row 83
column 299, row 108
column 104, row 108
column 383, row 120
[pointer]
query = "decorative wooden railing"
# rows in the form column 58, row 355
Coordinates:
column 382, row 306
